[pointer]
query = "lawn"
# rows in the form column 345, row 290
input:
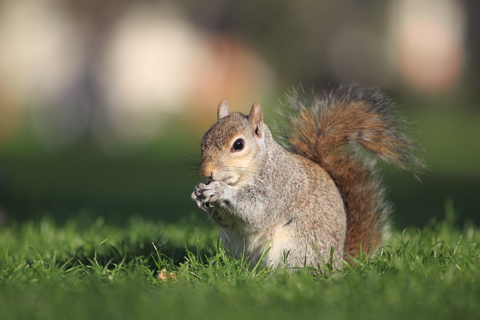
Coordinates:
column 102, row 271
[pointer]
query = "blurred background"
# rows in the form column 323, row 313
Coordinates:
column 103, row 103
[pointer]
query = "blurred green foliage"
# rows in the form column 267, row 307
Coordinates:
column 294, row 38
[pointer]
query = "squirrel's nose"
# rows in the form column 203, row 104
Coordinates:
column 206, row 171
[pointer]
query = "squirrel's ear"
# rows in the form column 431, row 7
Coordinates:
column 256, row 118
column 222, row 110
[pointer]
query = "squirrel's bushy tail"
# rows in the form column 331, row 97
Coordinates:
column 329, row 132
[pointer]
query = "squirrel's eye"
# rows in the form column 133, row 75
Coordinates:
column 238, row 145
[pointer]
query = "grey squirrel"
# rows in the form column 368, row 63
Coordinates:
column 322, row 193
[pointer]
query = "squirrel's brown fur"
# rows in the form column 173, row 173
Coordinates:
column 323, row 194
column 325, row 133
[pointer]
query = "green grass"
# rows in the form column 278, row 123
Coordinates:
column 107, row 272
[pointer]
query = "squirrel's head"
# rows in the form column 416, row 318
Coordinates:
column 232, row 149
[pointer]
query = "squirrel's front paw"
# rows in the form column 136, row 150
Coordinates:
column 205, row 194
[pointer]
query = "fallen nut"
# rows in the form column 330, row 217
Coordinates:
column 163, row 275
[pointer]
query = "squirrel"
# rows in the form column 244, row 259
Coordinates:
column 318, row 200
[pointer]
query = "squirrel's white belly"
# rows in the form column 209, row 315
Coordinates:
column 277, row 240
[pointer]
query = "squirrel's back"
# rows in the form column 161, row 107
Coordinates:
column 332, row 131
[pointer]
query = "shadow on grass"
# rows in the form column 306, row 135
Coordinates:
column 154, row 255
